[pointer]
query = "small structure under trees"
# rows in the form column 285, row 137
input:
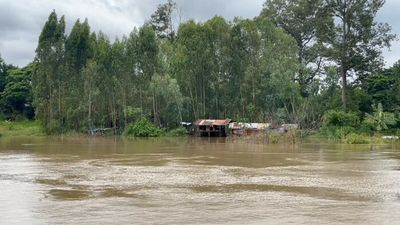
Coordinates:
column 211, row 128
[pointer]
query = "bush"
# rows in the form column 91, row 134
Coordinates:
column 337, row 133
column 340, row 119
column 143, row 128
column 178, row 132
column 379, row 120
column 356, row 139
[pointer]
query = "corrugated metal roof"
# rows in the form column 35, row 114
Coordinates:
column 209, row 122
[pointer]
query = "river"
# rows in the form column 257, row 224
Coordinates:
column 196, row 181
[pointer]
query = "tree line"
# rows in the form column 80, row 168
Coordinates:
column 292, row 63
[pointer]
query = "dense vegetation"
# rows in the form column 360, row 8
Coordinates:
column 315, row 63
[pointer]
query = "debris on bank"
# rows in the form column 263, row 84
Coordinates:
column 390, row 137
column 99, row 131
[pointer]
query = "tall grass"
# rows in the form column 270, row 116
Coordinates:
column 20, row 128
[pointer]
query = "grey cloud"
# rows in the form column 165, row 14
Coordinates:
column 389, row 14
column 17, row 51
column 203, row 10
column 392, row 55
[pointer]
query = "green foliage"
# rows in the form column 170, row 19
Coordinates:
column 354, row 138
column 336, row 118
column 49, row 78
column 306, row 22
column 262, row 69
column 383, row 87
column 16, row 98
column 379, row 120
column 244, row 70
column 3, row 73
column 133, row 114
column 143, row 128
column 168, row 100
column 346, row 127
column 336, row 133
column 356, row 39
column 20, row 128
column 177, row 132
column 337, row 125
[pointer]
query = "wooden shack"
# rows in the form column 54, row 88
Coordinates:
column 211, row 128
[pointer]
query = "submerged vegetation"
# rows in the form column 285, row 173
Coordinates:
column 314, row 63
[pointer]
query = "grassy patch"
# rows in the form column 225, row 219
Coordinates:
column 177, row 132
column 20, row 128
column 354, row 138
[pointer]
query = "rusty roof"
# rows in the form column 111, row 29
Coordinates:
column 210, row 122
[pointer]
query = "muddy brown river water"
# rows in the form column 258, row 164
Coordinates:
column 196, row 181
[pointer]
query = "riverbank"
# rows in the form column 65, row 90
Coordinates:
column 33, row 129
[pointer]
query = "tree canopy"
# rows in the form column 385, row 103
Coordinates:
column 284, row 66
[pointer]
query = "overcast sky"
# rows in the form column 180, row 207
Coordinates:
column 21, row 21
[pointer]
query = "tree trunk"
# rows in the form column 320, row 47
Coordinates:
column 179, row 109
column 51, row 106
column 154, row 108
column 141, row 102
column 193, row 104
column 59, row 107
column 253, row 93
column 90, row 110
column 125, row 108
column 204, row 100
column 343, row 74
column 343, row 70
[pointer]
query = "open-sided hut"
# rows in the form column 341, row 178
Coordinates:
column 211, row 128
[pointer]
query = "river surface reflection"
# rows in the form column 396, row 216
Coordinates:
column 196, row 181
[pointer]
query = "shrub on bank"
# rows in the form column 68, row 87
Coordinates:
column 347, row 127
column 354, row 138
column 379, row 120
column 338, row 125
column 336, row 118
column 336, row 133
column 143, row 128
column 177, row 132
